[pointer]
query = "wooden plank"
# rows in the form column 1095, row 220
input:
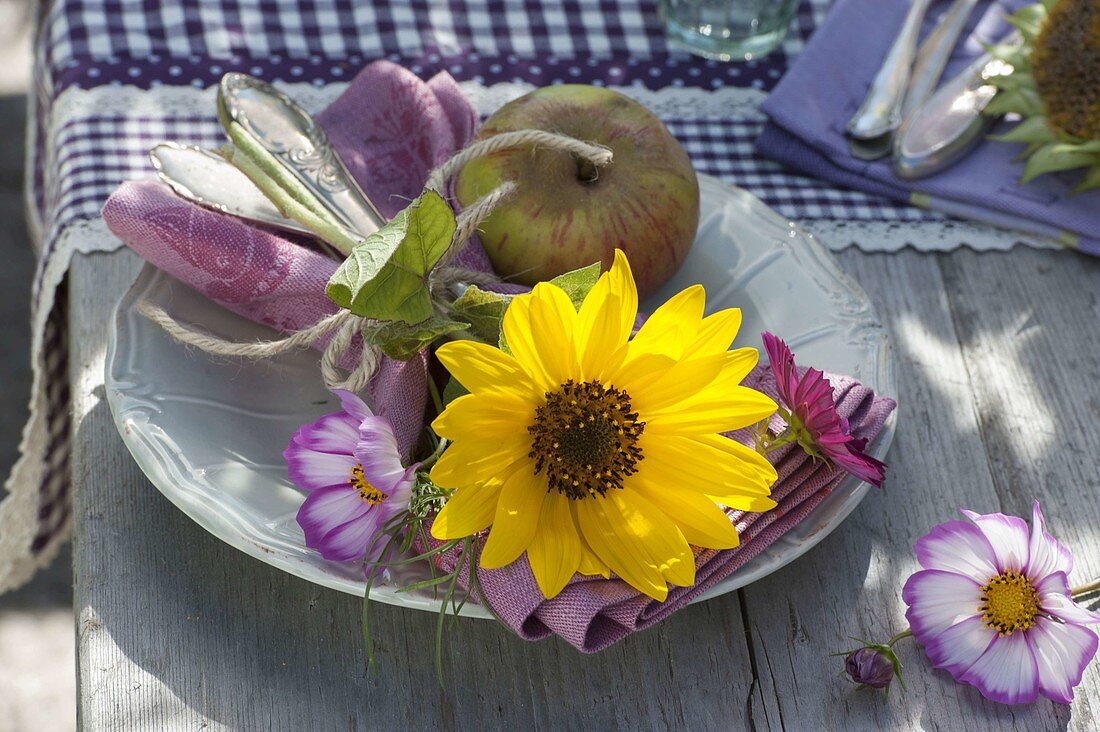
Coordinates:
column 178, row 631
column 958, row 406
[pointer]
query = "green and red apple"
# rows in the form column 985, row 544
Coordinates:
column 566, row 213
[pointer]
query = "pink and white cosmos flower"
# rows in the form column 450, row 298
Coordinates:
column 991, row 605
column 349, row 463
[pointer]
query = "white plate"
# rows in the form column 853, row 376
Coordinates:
column 209, row 433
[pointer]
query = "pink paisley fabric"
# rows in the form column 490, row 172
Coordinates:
column 592, row 614
column 391, row 128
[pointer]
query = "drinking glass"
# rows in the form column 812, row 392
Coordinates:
column 728, row 29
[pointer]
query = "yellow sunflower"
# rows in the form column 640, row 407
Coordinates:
column 598, row 453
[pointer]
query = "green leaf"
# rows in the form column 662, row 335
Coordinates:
column 386, row 275
column 1029, row 19
column 578, row 282
column 1032, row 129
column 1090, row 182
column 1049, row 158
column 453, row 390
column 1025, row 102
column 483, row 311
column 402, row 341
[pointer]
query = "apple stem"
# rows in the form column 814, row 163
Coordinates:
column 587, row 171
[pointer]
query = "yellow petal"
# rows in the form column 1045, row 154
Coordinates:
column 599, row 520
column 516, row 518
column 739, row 362
column 673, row 326
column 555, row 552
column 476, row 461
column 591, row 565
column 468, row 511
column 637, row 541
column 553, row 320
column 478, row 366
column 604, row 340
column 700, row 520
column 617, row 282
column 705, row 468
column 716, row 333
column 713, row 412
column 743, row 502
column 747, row 457
column 495, row 414
column 523, row 342
column 678, row 383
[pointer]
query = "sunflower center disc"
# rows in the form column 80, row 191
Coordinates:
column 585, row 438
column 1009, row 603
column 1066, row 65
column 367, row 492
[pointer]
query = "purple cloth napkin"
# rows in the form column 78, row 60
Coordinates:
column 391, row 129
column 809, row 108
column 592, row 614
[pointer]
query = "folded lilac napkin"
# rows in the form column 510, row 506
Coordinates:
column 391, row 129
column 809, row 108
column 593, row 613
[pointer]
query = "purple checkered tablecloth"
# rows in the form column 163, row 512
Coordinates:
column 114, row 77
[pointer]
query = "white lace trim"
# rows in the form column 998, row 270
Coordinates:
column 670, row 102
column 924, row 236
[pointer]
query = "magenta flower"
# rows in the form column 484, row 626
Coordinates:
column 350, row 464
column 992, row 606
column 809, row 409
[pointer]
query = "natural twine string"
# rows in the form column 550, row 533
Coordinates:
column 342, row 326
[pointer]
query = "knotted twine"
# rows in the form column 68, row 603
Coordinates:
column 341, row 326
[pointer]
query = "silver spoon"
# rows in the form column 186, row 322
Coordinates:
column 290, row 134
column 943, row 129
column 880, row 112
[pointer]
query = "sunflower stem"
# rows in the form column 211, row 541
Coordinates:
column 430, row 460
column 436, row 398
column 1085, row 589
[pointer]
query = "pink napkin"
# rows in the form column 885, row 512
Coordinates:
column 592, row 614
column 391, row 129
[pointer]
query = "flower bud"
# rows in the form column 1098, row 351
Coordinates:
column 871, row 666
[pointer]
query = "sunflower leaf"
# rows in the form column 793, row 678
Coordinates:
column 1090, row 181
column 386, row 275
column 453, row 390
column 1032, row 129
column 1048, row 159
column 1025, row 102
column 578, row 282
column 402, row 341
column 483, row 310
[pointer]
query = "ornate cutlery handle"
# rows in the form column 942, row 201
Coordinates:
column 880, row 112
column 291, row 135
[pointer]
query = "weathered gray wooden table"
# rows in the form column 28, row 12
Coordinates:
column 999, row 377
